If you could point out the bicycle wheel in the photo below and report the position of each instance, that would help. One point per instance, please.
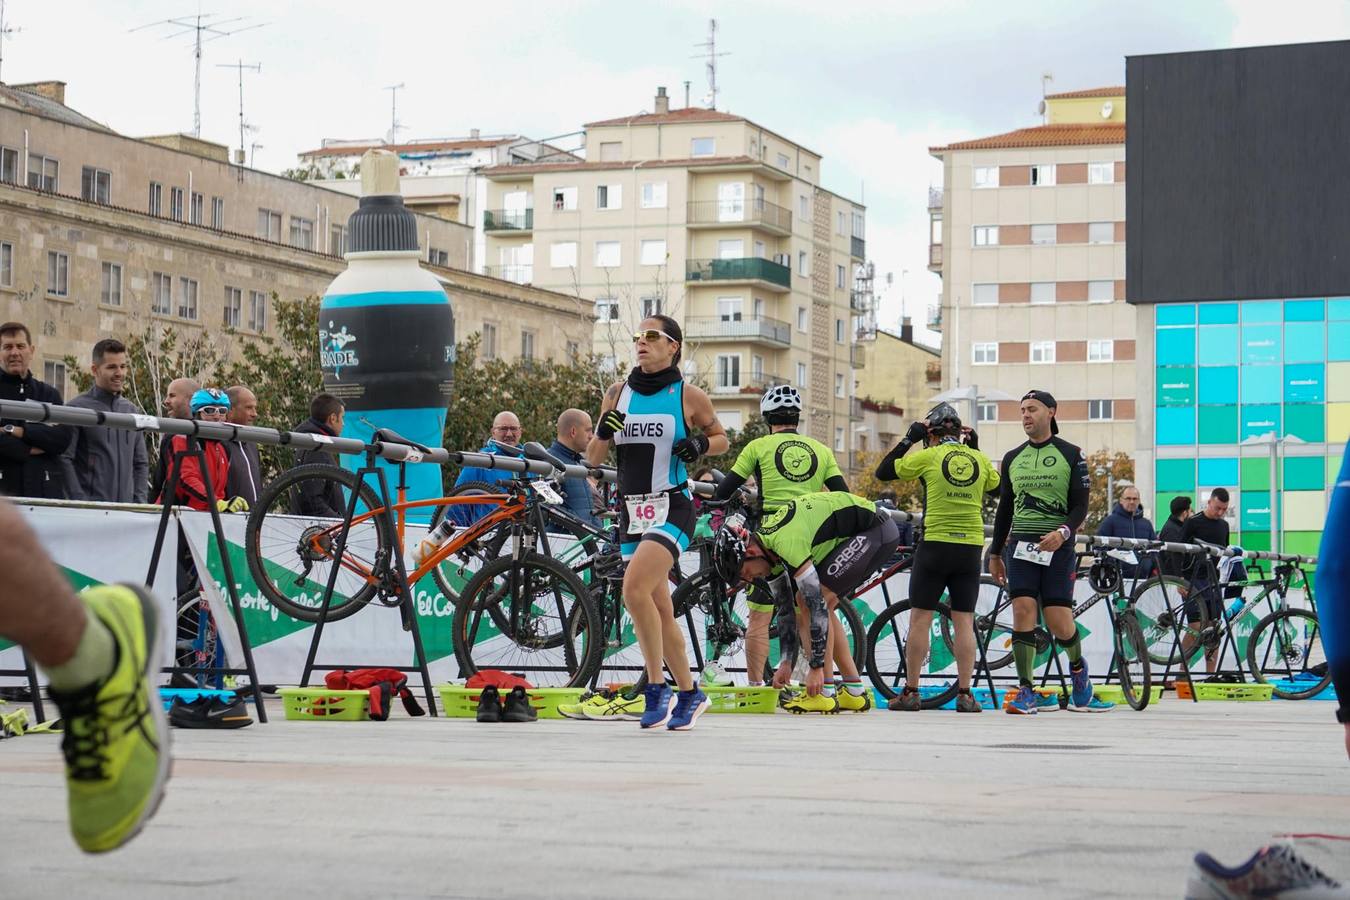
(291, 554)
(1158, 606)
(1132, 662)
(551, 630)
(453, 573)
(1283, 649)
(992, 614)
(886, 643)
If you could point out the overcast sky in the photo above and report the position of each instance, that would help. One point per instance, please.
(870, 85)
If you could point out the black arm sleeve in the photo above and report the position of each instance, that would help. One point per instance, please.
(1080, 486)
(886, 468)
(1004, 516)
(837, 483)
(731, 482)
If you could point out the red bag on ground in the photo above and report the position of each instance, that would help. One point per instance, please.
(382, 684)
(503, 681)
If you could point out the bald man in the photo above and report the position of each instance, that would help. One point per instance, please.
(505, 440)
(245, 468)
(574, 433)
(176, 405)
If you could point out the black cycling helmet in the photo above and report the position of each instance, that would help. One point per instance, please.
(943, 419)
(1104, 576)
(729, 552)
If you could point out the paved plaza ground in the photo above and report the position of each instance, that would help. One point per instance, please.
(883, 804)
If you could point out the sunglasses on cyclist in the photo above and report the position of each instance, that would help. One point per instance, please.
(650, 336)
(213, 410)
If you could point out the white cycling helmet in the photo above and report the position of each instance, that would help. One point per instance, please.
(781, 398)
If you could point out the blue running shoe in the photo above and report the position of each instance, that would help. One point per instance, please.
(689, 705)
(1024, 704)
(1082, 685)
(657, 709)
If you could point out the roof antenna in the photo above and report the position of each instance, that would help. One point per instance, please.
(711, 56)
(241, 66)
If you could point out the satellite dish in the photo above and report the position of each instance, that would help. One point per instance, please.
(1107, 109)
(1040, 108)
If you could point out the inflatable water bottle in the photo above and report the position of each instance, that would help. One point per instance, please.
(387, 330)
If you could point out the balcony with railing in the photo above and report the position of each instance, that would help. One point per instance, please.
(857, 356)
(934, 318)
(747, 383)
(518, 220)
(858, 248)
(860, 301)
(518, 274)
(751, 269)
(934, 198)
(733, 213)
(935, 257)
(933, 375)
(761, 330)
(855, 409)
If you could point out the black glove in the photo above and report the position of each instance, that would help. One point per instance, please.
(918, 432)
(690, 448)
(972, 439)
(611, 423)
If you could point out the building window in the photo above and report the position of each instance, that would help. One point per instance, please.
(1101, 173)
(986, 412)
(176, 204)
(1101, 351)
(42, 172)
(1101, 232)
(111, 294)
(6, 264)
(187, 299)
(611, 151)
(1101, 410)
(302, 233)
(438, 257)
(609, 196)
(269, 224)
(841, 227)
(197, 209)
(802, 320)
(783, 161)
(857, 223)
(801, 375)
(986, 176)
(986, 235)
(161, 294)
(1042, 292)
(801, 262)
(54, 373)
(527, 345)
(839, 384)
(653, 253)
(1043, 234)
(156, 199)
(1101, 291)
(985, 354)
(96, 185)
(234, 306)
(218, 213)
(704, 146)
(563, 254)
(651, 306)
(1042, 351)
(564, 198)
(729, 309)
(58, 274)
(606, 309)
(257, 311)
(984, 295)
(838, 439)
(804, 207)
(607, 254)
(337, 240)
(654, 195)
(9, 165)
(573, 351)
(1042, 176)
(839, 330)
(840, 276)
(489, 341)
(728, 370)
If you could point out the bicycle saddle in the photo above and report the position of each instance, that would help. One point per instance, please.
(389, 436)
(535, 450)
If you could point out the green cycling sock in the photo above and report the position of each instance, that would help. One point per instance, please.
(1024, 654)
(1073, 647)
(92, 661)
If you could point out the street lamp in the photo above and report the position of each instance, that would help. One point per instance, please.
(1275, 442)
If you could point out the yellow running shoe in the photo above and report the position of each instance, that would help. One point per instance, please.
(116, 740)
(618, 708)
(849, 703)
(577, 710)
(805, 703)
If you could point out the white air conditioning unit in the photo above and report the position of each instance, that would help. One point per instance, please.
(783, 259)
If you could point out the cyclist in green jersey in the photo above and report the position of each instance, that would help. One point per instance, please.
(785, 465)
(955, 477)
(819, 547)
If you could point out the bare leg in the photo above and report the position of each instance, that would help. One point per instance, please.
(1059, 619)
(963, 634)
(840, 652)
(643, 577)
(672, 637)
(757, 645)
(38, 609)
(916, 644)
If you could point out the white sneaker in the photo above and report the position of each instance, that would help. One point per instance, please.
(715, 676)
(1273, 873)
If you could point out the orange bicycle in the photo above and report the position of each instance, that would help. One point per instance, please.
(521, 611)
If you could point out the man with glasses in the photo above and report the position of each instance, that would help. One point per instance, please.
(1127, 520)
(505, 441)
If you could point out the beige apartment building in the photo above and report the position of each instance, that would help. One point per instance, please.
(105, 235)
(896, 383)
(709, 218)
(1028, 235)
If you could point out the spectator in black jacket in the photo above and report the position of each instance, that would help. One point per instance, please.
(318, 498)
(30, 452)
(1175, 564)
(109, 464)
(1127, 520)
(245, 467)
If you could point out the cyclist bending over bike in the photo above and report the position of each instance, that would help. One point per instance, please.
(955, 476)
(785, 465)
(647, 418)
(817, 548)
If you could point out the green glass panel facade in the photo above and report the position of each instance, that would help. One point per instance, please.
(1304, 473)
(1176, 385)
(1218, 425)
(1174, 475)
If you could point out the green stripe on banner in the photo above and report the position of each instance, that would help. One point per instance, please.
(78, 580)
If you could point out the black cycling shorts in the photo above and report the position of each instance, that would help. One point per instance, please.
(1052, 585)
(674, 535)
(859, 557)
(940, 566)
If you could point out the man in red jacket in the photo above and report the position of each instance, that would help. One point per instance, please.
(208, 405)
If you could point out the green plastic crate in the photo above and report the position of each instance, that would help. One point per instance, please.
(461, 702)
(1112, 693)
(741, 699)
(323, 705)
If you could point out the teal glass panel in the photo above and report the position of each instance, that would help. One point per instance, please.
(1261, 343)
(1262, 311)
(1218, 345)
(1338, 341)
(1218, 384)
(1261, 384)
(1304, 383)
(1175, 346)
(1304, 473)
(1175, 425)
(1255, 511)
(1176, 314)
(1307, 421)
(1305, 342)
(1174, 474)
(1218, 313)
(1338, 309)
(1218, 472)
(1218, 424)
(1305, 310)
(1257, 420)
(1176, 385)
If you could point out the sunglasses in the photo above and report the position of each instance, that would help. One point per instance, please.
(650, 336)
(213, 410)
